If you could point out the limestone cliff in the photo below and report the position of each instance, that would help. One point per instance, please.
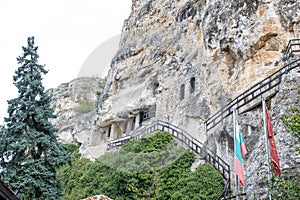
(74, 105)
(187, 59)
(252, 128)
(182, 61)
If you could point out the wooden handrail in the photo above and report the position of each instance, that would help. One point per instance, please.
(267, 85)
(290, 50)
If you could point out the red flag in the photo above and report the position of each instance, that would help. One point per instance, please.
(273, 151)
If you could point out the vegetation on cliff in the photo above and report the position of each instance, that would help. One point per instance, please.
(85, 107)
(293, 121)
(288, 185)
(138, 175)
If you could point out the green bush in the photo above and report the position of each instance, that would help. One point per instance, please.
(288, 187)
(151, 168)
(71, 176)
(72, 149)
(85, 107)
(285, 188)
(149, 144)
(101, 83)
(98, 93)
(293, 121)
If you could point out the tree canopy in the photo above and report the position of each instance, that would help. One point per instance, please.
(29, 147)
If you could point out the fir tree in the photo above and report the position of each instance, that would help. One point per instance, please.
(30, 150)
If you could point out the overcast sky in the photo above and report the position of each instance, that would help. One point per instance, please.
(66, 32)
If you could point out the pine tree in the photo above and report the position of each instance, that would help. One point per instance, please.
(30, 150)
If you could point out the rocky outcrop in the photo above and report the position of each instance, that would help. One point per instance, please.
(74, 104)
(181, 61)
(190, 58)
(252, 128)
(287, 143)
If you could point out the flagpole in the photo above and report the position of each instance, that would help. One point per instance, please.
(234, 134)
(266, 141)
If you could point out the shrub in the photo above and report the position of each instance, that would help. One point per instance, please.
(85, 107)
(288, 187)
(293, 121)
(98, 93)
(150, 168)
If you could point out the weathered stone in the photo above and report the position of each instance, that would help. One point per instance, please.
(225, 47)
(74, 127)
(181, 62)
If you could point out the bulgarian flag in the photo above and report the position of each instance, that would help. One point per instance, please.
(240, 152)
(273, 150)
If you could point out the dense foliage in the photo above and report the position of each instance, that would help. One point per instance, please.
(134, 173)
(288, 186)
(29, 149)
(293, 121)
(285, 188)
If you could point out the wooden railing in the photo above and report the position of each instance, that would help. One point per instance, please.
(193, 144)
(292, 49)
(245, 101)
(251, 97)
(114, 144)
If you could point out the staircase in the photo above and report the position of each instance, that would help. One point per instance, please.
(252, 97)
(292, 50)
(242, 103)
(193, 144)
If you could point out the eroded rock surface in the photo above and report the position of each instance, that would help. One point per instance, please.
(182, 61)
(74, 105)
(190, 58)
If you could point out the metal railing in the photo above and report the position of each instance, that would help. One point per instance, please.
(193, 144)
(251, 97)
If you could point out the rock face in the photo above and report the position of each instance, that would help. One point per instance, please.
(74, 105)
(187, 59)
(252, 128)
(181, 61)
(286, 142)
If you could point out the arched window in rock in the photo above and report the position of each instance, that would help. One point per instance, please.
(182, 88)
(192, 85)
